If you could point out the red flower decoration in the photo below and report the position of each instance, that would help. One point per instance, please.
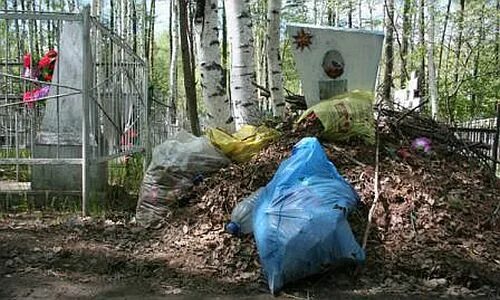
(47, 65)
(27, 60)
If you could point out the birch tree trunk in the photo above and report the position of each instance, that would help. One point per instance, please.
(212, 73)
(174, 38)
(273, 58)
(389, 50)
(224, 50)
(430, 59)
(243, 93)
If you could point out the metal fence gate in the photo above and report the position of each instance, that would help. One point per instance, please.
(73, 96)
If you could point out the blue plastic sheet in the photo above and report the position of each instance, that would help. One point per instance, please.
(300, 220)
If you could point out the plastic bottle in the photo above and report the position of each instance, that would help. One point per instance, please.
(241, 216)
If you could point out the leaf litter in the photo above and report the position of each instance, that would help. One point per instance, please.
(435, 230)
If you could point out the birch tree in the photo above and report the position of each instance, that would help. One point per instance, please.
(212, 73)
(430, 59)
(273, 58)
(243, 93)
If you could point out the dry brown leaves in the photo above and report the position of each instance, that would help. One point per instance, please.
(431, 222)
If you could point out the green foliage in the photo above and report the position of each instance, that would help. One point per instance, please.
(161, 53)
(290, 75)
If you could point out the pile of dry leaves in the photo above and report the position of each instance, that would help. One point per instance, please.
(436, 222)
(436, 228)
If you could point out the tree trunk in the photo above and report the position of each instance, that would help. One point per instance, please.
(224, 49)
(405, 38)
(331, 15)
(38, 52)
(430, 58)
(50, 25)
(315, 11)
(261, 74)
(388, 51)
(446, 18)
(243, 93)
(458, 49)
(421, 73)
(134, 26)
(273, 58)
(337, 13)
(212, 74)
(189, 80)
(349, 13)
(18, 34)
(360, 17)
(475, 72)
(370, 7)
(174, 38)
(151, 31)
(497, 36)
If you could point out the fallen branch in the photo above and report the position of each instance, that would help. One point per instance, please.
(411, 110)
(298, 101)
(346, 155)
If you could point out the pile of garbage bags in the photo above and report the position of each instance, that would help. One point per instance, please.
(243, 144)
(345, 116)
(299, 218)
(176, 165)
(181, 162)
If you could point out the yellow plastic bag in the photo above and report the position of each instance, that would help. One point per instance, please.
(243, 144)
(346, 116)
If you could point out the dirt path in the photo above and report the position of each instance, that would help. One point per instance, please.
(56, 257)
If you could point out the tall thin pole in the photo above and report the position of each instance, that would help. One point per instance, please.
(85, 107)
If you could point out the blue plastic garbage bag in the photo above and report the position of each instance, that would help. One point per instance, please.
(300, 220)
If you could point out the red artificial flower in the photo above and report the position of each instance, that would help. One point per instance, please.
(27, 60)
(47, 65)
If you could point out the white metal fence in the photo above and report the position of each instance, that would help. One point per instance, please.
(95, 104)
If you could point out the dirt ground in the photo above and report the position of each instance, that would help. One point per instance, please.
(54, 256)
(435, 234)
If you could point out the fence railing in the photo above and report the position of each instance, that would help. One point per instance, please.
(484, 135)
(84, 103)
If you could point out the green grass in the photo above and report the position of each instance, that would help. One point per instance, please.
(8, 172)
(124, 181)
